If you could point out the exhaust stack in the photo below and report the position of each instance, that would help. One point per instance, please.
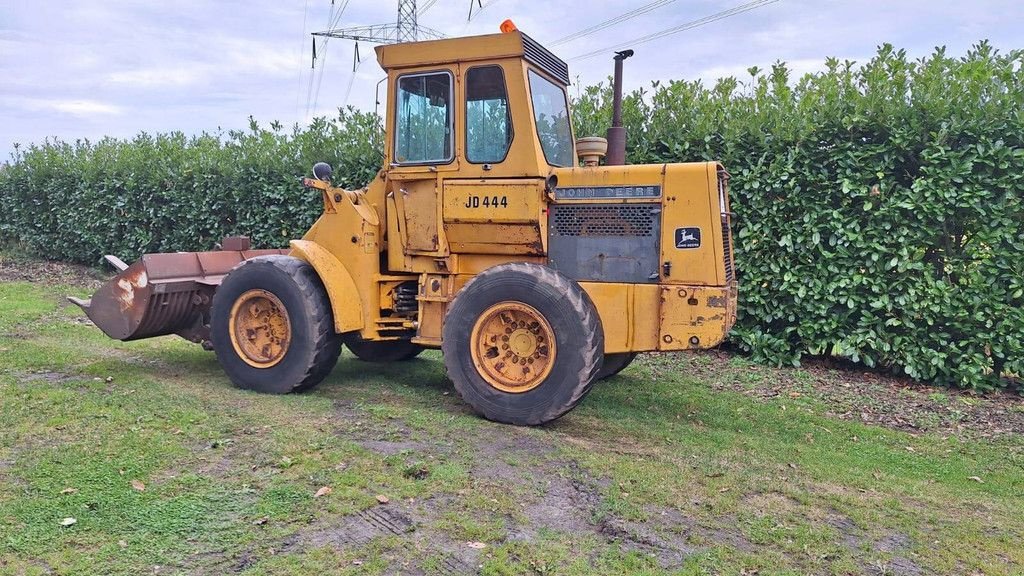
(617, 134)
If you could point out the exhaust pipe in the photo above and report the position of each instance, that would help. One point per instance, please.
(617, 134)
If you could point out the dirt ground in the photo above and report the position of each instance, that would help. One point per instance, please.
(653, 473)
(852, 392)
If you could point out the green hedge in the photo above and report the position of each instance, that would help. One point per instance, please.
(878, 207)
(172, 192)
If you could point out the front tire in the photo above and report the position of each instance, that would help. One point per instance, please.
(272, 327)
(522, 344)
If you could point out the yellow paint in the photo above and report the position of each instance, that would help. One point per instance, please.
(695, 317)
(259, 328)
(441, 224)
(493, 201)
(341, 288)
(421, 216)
(688, 199)
(513, 347)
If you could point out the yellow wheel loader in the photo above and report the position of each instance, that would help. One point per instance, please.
(536, 271)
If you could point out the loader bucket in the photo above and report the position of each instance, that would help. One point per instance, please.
(163, 293)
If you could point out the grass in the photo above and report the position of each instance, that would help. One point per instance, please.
(654, 473)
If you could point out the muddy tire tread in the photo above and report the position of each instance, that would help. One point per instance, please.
(326, 343)
(592, 347)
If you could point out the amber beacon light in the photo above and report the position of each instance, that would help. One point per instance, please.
(508, 26)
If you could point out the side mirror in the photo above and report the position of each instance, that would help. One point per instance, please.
(322, 171)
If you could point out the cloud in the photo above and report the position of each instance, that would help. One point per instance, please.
(153, 77)
(117, 67)
(70, 106)
(81, 107)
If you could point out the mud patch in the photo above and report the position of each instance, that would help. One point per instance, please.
(47, 377)
(14, 269)
(566, 505)
(359, 528)
(849, 534)
(853, 392)
(895, 545)
(898, 566)
(424, 550)
(893, 542)
(390, 448)
(665, 537)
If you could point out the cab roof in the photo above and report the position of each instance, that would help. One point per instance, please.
(513, 44)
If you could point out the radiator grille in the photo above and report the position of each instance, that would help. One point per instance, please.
(727, 249)
(606, 242)
(603, 220)
(723, 203)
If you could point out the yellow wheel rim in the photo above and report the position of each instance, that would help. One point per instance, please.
(513, 347)
(259, 328)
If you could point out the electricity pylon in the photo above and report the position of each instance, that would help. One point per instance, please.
(405, 29)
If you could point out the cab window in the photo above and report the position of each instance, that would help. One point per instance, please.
(423, 124)
(488, 123)
(551, 113)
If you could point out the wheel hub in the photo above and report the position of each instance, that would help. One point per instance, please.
(259, 328)
(513, 347)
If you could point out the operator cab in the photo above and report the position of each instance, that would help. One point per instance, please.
(486, 106)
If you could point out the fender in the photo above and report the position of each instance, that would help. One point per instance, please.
(341, 288)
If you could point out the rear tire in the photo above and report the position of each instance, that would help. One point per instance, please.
(384, 351)
(615, 363)
(272, 327)
(522, 343)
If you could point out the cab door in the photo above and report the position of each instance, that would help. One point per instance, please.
(421, 151)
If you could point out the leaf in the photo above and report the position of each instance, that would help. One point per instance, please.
(68, 521)
(69, 490)
(138, 485)
(323, 491)
(383, 499)
(976, 479)
(476, 545)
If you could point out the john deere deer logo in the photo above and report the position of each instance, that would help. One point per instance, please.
(687, 238)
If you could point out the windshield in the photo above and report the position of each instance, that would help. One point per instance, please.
(551, 112)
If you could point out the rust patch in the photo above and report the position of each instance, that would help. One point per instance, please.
(718, 301)
(127, 285)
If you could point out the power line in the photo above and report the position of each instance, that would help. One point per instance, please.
(352, 80)
(298, 91)
(405, 29)
(426, 6)
(332, 18)
(481, 5)
(613, 21)
(680, 28)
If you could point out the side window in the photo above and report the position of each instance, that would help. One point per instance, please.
(488, 122)
(551, 113)
(423, 124)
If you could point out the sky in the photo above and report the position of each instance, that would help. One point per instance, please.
(93, 68)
